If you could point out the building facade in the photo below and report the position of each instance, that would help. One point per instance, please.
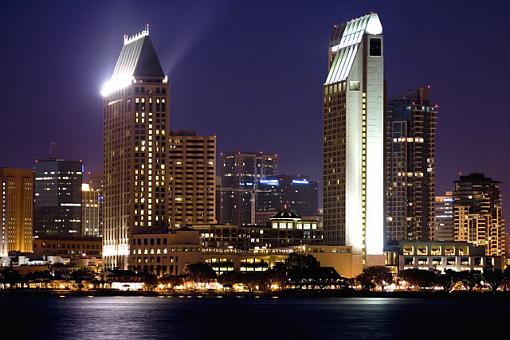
(92, 211)
(16, 209)
(170, 253)
(57, 200)
(135, 127)
(298, 193)
(82, 246)
(353, 137)
(443, 218)
(477, 211)
(441, 256)
(410, 170)
(191, 174)
(240, 173)
(285, 229)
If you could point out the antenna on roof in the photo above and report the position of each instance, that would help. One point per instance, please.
(52, 147)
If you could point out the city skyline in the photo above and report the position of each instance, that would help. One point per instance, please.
(338, 160)
(186, 56)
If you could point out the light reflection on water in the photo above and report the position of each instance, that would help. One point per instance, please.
(247, 318)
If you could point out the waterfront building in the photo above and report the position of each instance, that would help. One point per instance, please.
(136, 123)
(410, 169)
(191, 174)
(298, 193)
(92, 211)
(170, 253)
(353, 137)
(443, 218)
(69, 247)
(240, 173)
(16, 209)
(441, 256)
(58, 199)
(477, 210)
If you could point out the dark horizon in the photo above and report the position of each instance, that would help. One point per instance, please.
(251, 74)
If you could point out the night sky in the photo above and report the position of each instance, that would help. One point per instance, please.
(251, 72)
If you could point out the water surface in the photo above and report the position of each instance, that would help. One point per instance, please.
(250, 318)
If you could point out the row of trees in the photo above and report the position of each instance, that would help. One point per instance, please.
(489, 278)
(297, 270)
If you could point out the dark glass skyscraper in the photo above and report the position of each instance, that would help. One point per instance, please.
(58, 197)
(240, 173)
(410, 171)
(297, 193)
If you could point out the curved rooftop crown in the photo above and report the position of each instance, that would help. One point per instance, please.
(137, 59)
(285, 214)
(344, 44)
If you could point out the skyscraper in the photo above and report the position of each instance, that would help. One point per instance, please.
(443, 218)
(191, 179)
(57, 201)
(240, 173)
(410, 170)
(16, 203)
(136, 123)
(354, 137)
(297, 193)
(477, 211)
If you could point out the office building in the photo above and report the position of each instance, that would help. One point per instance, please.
(136, 123)
(240, 173)
(92, 210)
(410, 170)
(57, 201)
(16, 205)
(353, 137)
(477, 211)
(297, 193)
(443, 218)
(191, 174)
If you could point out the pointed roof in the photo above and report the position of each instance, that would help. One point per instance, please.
(137, 58)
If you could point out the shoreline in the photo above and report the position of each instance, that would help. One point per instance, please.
(290, 294)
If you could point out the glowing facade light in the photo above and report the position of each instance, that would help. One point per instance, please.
(116, 84)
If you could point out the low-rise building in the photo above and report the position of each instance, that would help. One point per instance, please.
(441, 256)
(68, 246)
(169, 254)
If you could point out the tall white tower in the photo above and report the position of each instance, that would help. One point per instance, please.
(354, 137)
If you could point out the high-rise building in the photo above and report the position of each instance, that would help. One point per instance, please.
(240, 173)
(298, 193)
(477, 211)
(16, 203)
(57, 201)
(354, 137)
(191, 174)
(443, 218)
(136, 123)
(92, 210)
(410, 171)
